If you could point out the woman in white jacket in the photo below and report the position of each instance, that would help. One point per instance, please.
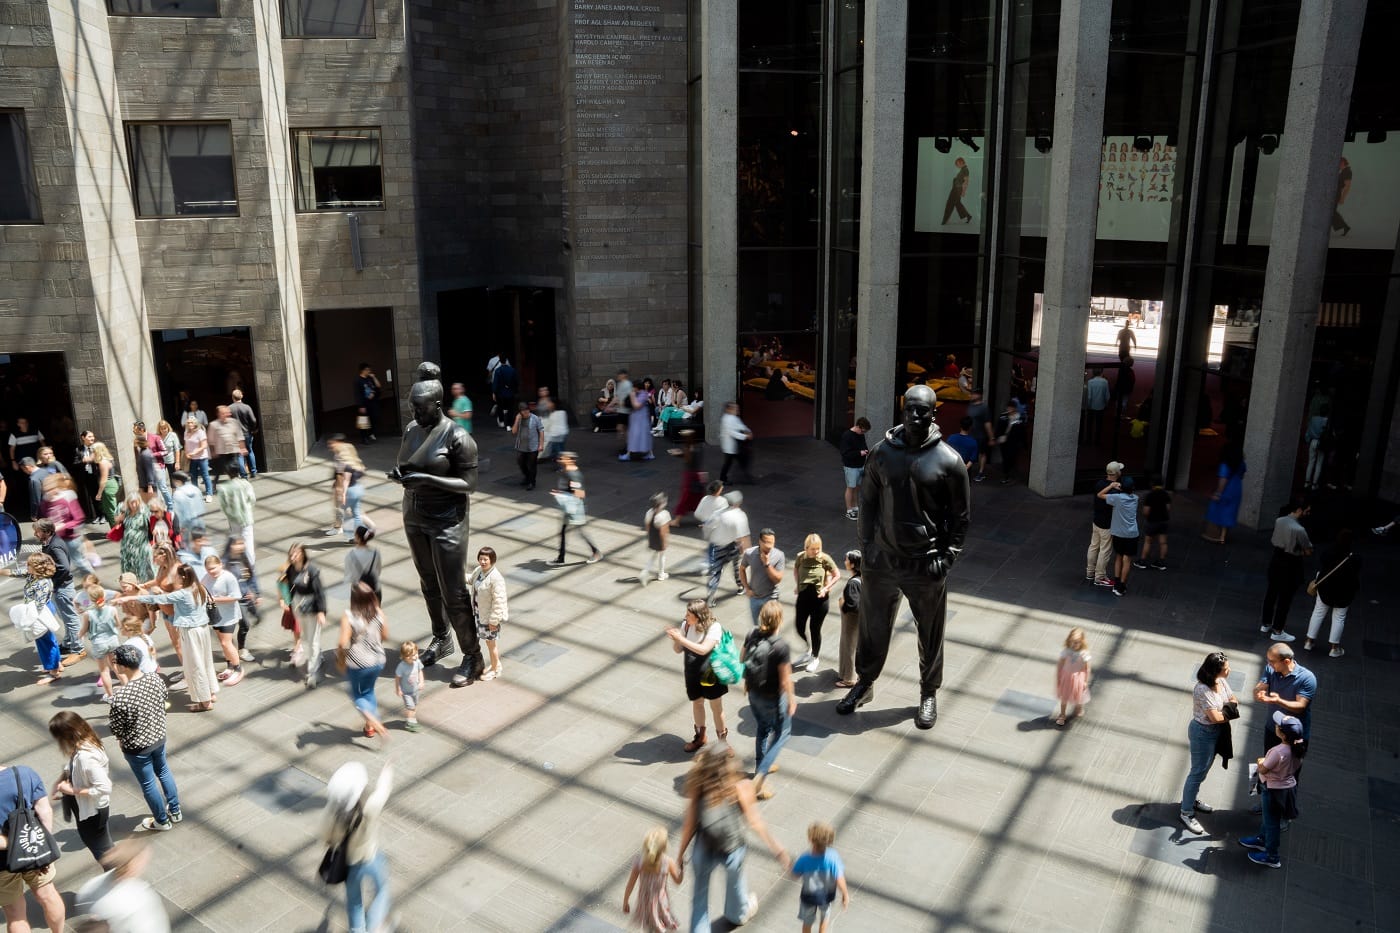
(352, 815)
(488, 588)
(86, 779)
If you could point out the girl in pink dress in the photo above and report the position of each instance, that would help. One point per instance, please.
(1072, 674)
(652, 868)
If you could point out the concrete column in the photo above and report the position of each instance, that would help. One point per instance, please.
(86, 65)
(719, 207)
(1080, 79)
(1324, 63)
(1382, 399)
(881, 204)
(279, 347)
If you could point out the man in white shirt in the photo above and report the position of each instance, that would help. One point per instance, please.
(734, 439)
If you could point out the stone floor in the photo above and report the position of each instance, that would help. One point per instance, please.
(522, 803)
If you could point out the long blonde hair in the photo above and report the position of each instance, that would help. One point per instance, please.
(713, 776)
(100, 452)
(654, 848)
(1076, 640)
(770, 617)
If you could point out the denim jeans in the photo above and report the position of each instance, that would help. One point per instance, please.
(1202, 740)
(361, 681)
(716, 558)
(354, 494)
(199, 473)
(1269, 824)
(248, 463)
(758, 602)
(151, 769)
(63, 606)
(772, 727)
(375, 870)
(163, 486)
(736, 888)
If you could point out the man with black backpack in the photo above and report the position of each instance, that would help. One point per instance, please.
(22, 799)
(768, 677)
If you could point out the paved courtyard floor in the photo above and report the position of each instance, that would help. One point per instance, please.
(522, 803)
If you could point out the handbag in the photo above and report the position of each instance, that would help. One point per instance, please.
(335, 865)
(723, 662)
(29, 844)
(115, 533)
(1316, 582)
(1231, 711)
(211, 608)
(29, 620)
(362, 423)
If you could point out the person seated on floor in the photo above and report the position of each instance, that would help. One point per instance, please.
(778, 389)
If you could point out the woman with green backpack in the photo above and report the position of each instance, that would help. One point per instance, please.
(697, 638)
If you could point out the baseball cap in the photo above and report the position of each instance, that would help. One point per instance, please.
(1113, 467)
(1292, 726)
(128, 578)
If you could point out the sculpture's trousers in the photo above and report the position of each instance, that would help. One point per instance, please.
(879, 605)
(439, 554)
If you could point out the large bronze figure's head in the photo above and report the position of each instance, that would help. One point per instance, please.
(426, 395)
(919, 405)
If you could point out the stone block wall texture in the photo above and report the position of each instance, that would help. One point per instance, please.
(625, 193)
(362, 83)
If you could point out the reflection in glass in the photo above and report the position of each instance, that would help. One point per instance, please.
(316, 19)
(779, 159)
(338, 169)
(189, 8)
(182, 169)
(781, 35)
(19, 198)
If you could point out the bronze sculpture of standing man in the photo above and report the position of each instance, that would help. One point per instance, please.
(437, 469)
(913, 517)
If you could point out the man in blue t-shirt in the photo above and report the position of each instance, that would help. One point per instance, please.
(1288, 687)
(964, 443)
(40, 881)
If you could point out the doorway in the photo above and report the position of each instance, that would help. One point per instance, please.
(34, 386)
(338, 341)
(204, 365)
(474, 324)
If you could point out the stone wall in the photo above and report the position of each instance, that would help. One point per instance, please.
(624, 157)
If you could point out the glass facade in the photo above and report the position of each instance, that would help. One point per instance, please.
(1189, 165)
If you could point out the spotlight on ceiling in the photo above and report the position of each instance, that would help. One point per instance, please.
(1143, 144)
(1042, 144)
(942, 143)
(970, 143)
(1268, 143)
(1376, 136)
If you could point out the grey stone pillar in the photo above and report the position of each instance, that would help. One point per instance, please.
(881, 204)
(1382, 400)
(1324, 63)
(1080, 78)
(719, 208)
(95, 129)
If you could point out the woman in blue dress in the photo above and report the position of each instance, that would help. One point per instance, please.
(639, 427)
(1224, 511)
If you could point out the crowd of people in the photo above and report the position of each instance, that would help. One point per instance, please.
(207, 600)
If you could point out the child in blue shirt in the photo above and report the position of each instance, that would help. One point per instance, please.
(822, 874)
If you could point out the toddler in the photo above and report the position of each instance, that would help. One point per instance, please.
(408, 679)
(822, 874)
(1072, 674)
(657, 525)
(652, 867)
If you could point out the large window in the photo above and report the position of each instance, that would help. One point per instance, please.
(327, 19)
(163, 7)
(182, 169)
(338, 169)
(19, 199)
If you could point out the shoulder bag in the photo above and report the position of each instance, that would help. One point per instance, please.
(29, 844)
(335, 864)
(1315, 583)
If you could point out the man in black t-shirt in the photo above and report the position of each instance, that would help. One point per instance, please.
(1100, 541)
(1157, 510)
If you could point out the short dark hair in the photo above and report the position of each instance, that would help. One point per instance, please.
(863, 424)
(965, 423)
(488, 552)
(714, 487)
(44, 525)
(232, 471)
(768, 533)
(126, 656)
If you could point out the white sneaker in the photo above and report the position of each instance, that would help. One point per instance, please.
(644, 577)
(1382, 530)
(245, 655)
(1336, 652)
(1192, 824)
(663, 576)
(812, 664)
(1281, 636)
